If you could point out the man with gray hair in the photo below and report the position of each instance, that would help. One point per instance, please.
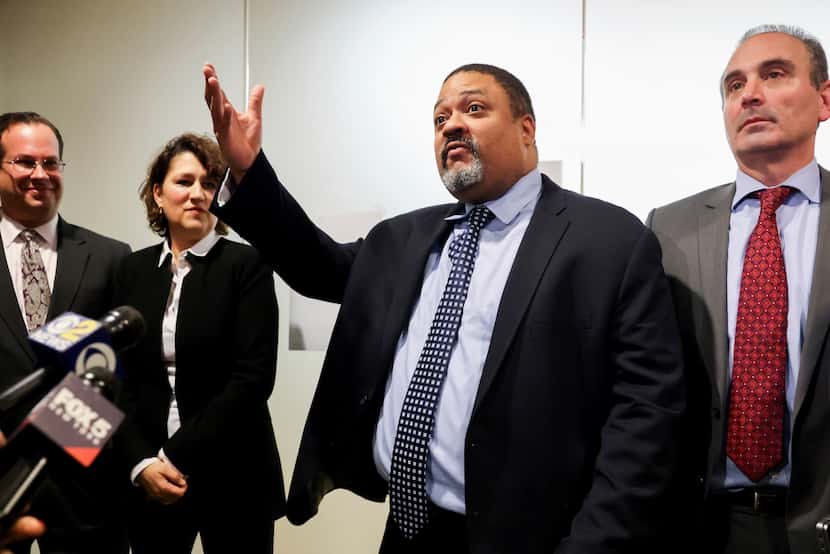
(748, 263)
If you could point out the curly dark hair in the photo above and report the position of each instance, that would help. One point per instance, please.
(206, 151)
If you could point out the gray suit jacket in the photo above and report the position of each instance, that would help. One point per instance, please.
(694, 236)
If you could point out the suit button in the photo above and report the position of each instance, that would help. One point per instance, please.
(364, 399)
(473, 444)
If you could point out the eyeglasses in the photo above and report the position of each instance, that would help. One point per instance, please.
(27, 166)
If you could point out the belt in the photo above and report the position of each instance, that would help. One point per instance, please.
(768, 500)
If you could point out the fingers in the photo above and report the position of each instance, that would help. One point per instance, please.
(255, 102)
(172, 475)
(215, 98)
(162, 482)
(2, 439)
(26, 527)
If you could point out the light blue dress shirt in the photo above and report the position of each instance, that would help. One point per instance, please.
(498, 243)
(798, 226)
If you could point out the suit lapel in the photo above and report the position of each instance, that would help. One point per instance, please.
(73, 255)
(710, 318)
(546, 228)
(818, 312)
(427, 233)
(10, 309)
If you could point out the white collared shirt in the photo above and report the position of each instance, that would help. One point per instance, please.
(13, 247)
(180, 268)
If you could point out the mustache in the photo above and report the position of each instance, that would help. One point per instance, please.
(457, 137)
(755, 114)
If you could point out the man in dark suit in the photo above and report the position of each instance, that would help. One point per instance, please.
(49, 266)
(511, 375)
(748, 263)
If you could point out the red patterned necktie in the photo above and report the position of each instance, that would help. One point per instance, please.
(755, 437)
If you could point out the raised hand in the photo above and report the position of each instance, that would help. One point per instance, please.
(239, 134)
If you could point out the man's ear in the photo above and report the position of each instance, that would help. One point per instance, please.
(528, 130)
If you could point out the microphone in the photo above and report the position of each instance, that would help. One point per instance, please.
(75, 418)
(74, 343)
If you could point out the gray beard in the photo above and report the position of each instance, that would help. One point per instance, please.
(459, 180)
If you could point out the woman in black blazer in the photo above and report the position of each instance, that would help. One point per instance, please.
(197, 440)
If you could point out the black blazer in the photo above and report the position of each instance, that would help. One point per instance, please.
(85, 284)
(226, 352)
(571, 440)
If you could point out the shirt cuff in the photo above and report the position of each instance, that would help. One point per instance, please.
(163, 457)
(139, 467)
(227, 189)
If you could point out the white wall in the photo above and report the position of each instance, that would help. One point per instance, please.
(118, 79)
(350, 88)
(654, 129)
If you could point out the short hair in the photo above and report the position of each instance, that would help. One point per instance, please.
(10, 119)
(206, 151)
(520, 103)
(818, 60)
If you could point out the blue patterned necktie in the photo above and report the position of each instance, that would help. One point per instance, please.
(407, 478)
(36, 293)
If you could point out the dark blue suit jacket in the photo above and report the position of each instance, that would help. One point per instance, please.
(571, 444)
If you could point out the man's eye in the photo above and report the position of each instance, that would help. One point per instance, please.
(51, 165)
(440, 119)
(26, 164)
(474, 108)
(775, 74)
(734, 86)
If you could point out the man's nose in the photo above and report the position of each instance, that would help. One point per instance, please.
(454, 125)
(752, 93)
(38, 172)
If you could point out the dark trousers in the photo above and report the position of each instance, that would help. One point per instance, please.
(740, 529)
(445, 533)
(158, 529)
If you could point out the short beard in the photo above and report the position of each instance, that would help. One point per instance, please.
(459, 180)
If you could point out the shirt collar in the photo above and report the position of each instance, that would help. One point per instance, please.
(806, 180)
(507, 206)
(200, 249)
(11, 229)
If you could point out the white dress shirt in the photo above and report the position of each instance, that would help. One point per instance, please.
(13, 247)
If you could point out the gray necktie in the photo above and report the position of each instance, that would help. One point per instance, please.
(407, 478)
(36, 293)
